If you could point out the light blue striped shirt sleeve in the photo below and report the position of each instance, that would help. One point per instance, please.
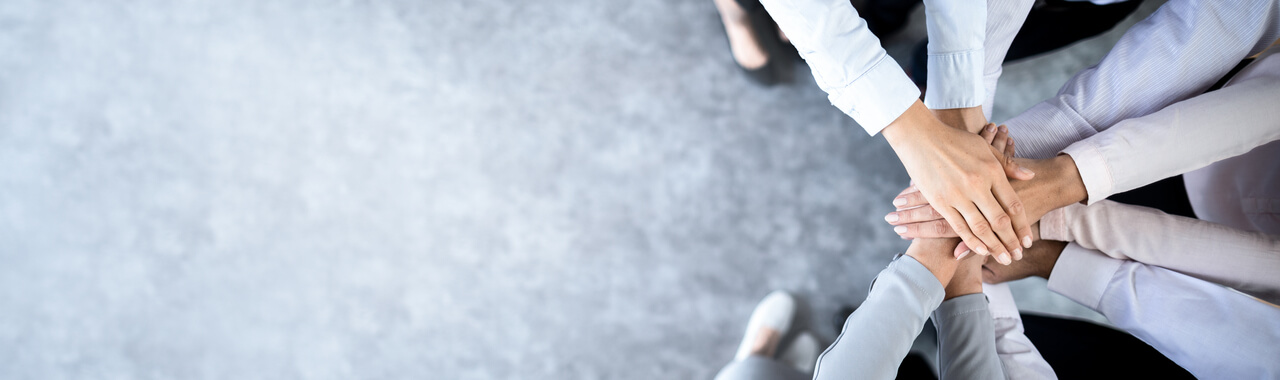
(1176, 53)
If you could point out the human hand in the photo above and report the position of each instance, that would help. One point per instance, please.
(962, 178)
(1039, 261)
(1057, 184)
(936, 255)
(967, 278)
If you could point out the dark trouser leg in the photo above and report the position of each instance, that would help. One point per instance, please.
(1060, 23)
(1084, 350)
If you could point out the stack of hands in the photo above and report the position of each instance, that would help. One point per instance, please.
(967, 184)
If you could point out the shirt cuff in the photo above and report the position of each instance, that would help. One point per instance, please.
(877, 97)
(1083, 275)
(955, 80)
(1000, 301)
(1093, 168)
(968, 303)
(924, 282)
(1056, 224)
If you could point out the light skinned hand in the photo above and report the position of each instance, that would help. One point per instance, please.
(962, 177)
(1058, 184)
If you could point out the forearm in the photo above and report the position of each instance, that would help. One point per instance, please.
(955, 61)
(966, 339)
(1180, 138)
(1004, 19)
(1210, 330)
(1019, 357)
(1176, 53)
(879, 334)
(1245, 261)
(846, 59)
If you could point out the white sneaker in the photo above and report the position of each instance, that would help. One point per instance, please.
(803, 352)
(775, 311)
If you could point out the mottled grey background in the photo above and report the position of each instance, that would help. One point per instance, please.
(477, 189)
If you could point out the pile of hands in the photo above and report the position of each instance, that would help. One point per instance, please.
(964, 208)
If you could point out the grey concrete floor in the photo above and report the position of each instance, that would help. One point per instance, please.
(476, 189)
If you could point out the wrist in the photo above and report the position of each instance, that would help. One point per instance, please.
(936, 256)
(1067, 181)
(968, 119)
(910, 126)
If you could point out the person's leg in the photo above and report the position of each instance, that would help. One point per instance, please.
(749, 50)
(755, 357)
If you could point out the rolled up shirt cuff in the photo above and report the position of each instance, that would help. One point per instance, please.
(1056, 224)
(1096, 174)
(955, 80)
(1083, 275)
(877, 97)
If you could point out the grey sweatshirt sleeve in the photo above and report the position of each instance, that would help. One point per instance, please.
(879, 334)
(966, 339)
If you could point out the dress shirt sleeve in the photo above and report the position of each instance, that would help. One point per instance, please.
(879, 334)
(1243, 260)
(1020, 358)
(846, 60)
(1004, 19)
(1182, 137)
(1178, 52)
(956, 36)
(966, 339)
(1212, 331)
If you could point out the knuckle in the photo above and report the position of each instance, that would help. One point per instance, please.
(940, 227)
(1016, 208)
(1002, 219)
(980, 228)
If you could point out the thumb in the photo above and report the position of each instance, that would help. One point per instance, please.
(1011, 168)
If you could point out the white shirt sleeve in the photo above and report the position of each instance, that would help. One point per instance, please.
(1243, 260)
(1176, 53)
(846, 59)
(1020, 358)
(1185, 136)
(1212, 331)
(1004, 19)
(956, 37)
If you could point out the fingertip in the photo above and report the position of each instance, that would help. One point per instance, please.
(1026, 173)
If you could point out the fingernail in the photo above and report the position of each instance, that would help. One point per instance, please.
(963, 254)
(1026, 241)
(981, 250)
(1017, 253)
(892, 217)
(1004, 259)
(900, 229)
(1025, 171)
(900, 202)
(1004, 128)
(991, 128)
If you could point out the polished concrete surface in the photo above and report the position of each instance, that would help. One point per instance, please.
(481, 189)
